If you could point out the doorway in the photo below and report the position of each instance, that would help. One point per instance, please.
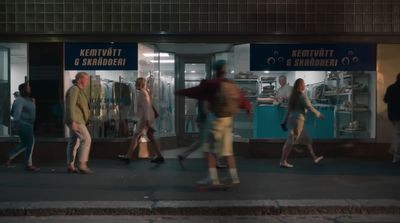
(4, 91)
(191, 71)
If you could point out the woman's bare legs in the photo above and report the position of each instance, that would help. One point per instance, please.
(285, 154)
(315, 158)
(133, 145)
(150, 135)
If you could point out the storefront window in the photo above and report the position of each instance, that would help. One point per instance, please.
(340, 82)
(13, 72)
(112, 92)
(4, 91)
(159, 70)
(111, 97)
(166, 94)
(346, 98)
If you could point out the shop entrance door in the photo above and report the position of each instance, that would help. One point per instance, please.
(4, 91)
(191, 72)
(194, 73)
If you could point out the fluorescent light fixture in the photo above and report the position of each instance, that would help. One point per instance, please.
(232, 71)
(163, 61)
(193, 71)
(155, 55)
(266, 71)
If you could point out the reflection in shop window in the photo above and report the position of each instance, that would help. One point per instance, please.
(13, 72)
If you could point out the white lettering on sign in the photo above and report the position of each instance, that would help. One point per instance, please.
(110, 52)
(99, 57)
(313, 53)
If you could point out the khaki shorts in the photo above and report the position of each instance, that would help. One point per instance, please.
(221, 141)
(297, 133)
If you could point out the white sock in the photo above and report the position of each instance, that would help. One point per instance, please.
(213, 175)
(234, 175)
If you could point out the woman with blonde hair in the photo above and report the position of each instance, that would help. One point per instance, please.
(146, 115)
(295, 118)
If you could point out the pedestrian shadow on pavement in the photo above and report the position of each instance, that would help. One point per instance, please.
(326, 167)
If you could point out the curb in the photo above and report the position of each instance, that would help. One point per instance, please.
(199, 208)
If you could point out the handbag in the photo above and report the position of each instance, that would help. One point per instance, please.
(155, 112)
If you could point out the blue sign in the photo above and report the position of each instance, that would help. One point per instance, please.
(325, 57)
(101, 56)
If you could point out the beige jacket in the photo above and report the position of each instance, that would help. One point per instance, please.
(76, 106)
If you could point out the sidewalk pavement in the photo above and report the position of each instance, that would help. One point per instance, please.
(336, 186)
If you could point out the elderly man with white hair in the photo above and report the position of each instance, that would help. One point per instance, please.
(284, 91)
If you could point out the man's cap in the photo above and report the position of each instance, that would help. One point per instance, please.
(219, 64)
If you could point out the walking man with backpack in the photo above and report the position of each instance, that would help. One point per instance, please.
(225, 99)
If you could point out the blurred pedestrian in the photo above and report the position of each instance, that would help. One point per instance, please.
(294, 120)
(76, 117)
(224, 99)
(203, 124)
(392, 99)
(203, 120)
(146, 114)
(24, 114)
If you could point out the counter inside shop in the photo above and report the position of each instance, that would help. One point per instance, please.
(268, 117)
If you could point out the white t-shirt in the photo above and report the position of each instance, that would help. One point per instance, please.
(284, 92)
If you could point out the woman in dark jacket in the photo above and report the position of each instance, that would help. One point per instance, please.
(24, 114)
(392, 99)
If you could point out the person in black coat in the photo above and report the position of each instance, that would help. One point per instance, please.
(392, 99)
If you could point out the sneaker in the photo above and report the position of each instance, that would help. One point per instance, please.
(124, 158)
(209, 181)
(158, 160)
(286, 165)
(236, 181)
(204, 181)
(318, 159)
(32, 168)
(180, 160)
(229, 181)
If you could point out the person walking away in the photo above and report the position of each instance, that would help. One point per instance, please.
(392, 99)
(24, 115)
(76, 117)
(146, 115)
(294, 119)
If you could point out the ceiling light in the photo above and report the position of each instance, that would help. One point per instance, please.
(163, 61)
(155, 55)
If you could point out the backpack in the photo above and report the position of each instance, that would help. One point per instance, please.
(226, 101)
